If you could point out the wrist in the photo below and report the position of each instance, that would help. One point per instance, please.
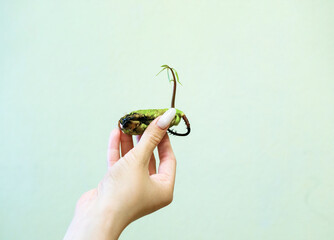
(95, 223)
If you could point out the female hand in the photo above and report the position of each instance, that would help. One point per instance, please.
(131, 188)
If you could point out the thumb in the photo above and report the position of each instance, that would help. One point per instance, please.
(154, 134)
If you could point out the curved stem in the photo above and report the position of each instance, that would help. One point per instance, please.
(174, 90)
(186, 121)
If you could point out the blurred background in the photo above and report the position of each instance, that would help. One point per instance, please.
(257, 89)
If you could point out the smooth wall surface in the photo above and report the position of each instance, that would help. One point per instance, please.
(258, 89)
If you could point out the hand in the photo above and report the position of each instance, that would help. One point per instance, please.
(131, 188)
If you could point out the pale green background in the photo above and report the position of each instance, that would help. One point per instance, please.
(258, 89)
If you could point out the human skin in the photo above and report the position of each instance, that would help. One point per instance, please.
(131, 188)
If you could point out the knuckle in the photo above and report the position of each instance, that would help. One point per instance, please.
(154, 138)
(131, 154)
(86, 198)
(168, 199)
(132, 159)
(173, 158)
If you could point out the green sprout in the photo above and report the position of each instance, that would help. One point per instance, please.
(136, 122)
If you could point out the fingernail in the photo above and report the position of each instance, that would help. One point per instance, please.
(166, 118)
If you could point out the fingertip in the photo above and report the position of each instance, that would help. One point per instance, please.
(164, 121)
(115, 131)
